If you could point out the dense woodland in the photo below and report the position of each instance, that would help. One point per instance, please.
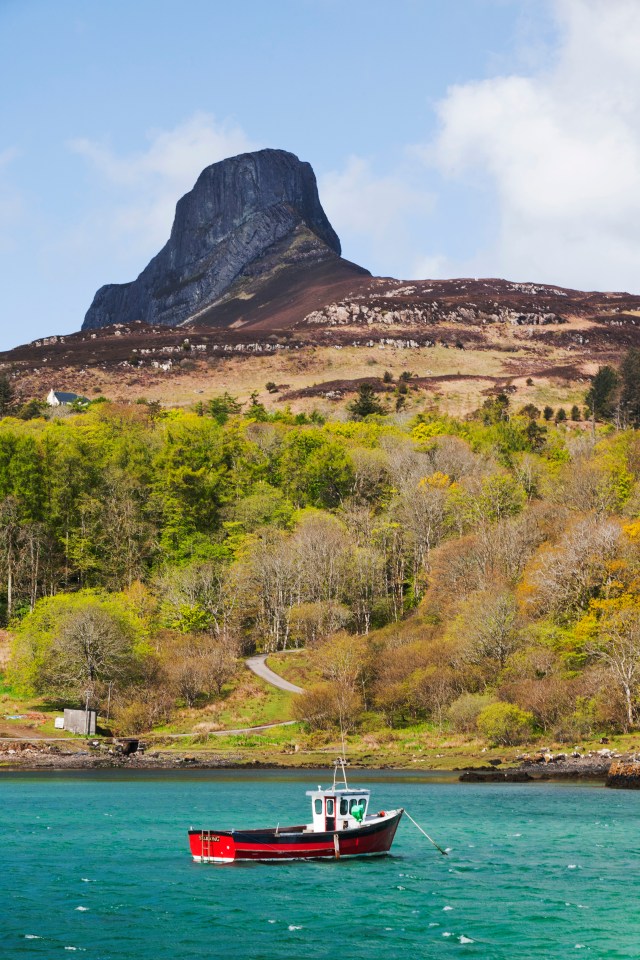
(483, 575)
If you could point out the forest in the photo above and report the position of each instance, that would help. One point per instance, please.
(480, 574)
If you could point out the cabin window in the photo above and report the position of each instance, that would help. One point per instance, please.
(330, 807)
(344, 806)
(317, 805)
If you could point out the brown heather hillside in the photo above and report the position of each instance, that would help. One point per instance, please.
(318, 333)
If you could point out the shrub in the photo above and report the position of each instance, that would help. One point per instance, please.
(464, 712)
(504, 723)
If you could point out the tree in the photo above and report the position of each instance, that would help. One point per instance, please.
(575, 413)
(547, 413)
(600, 398)
(504, 723)
(561, 415)
(328, 705)
(488, 629)
(495, 409)
(563, 578)
(366, 403)
(197, 665)
(618, 648)
(223, 407)
(630, 395)
(6, 395)
(73, 645)
(530, 411)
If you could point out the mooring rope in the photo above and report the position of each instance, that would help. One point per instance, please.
(430, 839)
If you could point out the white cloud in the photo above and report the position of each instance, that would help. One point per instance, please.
(374, 213)
(148, 183)
(561, 150)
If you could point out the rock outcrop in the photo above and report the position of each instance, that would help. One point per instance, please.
(245, 219)
(624, 774)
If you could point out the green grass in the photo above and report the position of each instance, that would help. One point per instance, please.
(295, 666)
(247, 701)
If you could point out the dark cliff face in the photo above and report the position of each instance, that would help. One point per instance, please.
(244, 216)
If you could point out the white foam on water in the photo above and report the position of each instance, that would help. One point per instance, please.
(388, 928)
(464, 939)
(86, 880)
(270, 921)
(434, 924)
(31, 936)
(400, 888)
(291, 927)
(447, 908)
(82, 909)
(445, 934)
(580, 946)
(572, 866)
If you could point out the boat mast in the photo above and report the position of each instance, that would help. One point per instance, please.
(340, 764)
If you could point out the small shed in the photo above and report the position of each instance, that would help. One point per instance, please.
(80, 721)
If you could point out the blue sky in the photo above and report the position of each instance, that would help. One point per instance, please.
(449, 137)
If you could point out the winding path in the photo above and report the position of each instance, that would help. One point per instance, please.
(258, 665)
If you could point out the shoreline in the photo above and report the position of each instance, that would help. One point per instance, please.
(31, 756)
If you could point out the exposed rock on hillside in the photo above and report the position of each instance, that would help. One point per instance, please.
(245, 219)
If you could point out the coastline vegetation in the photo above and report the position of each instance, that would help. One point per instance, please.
(474, 579)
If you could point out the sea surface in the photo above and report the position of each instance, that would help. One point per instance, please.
(97, 865)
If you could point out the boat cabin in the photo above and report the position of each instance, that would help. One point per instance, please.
(338, 808)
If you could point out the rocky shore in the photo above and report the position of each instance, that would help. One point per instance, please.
(595, 765)
(102, 754)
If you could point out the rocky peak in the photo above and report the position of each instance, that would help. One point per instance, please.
(245, 217)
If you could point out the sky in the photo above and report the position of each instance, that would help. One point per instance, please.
(496, 138)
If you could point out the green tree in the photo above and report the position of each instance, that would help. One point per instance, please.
(601, 396)
(630, 395)
(6, 395)
(72, 645)
(495, 410)
(366, 403)
(223, 407)
(505, 724)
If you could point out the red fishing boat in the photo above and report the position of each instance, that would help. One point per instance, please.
(341, 826)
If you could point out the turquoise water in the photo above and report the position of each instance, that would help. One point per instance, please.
(97, 865)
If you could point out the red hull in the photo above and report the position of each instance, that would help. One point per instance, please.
(294, 843)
